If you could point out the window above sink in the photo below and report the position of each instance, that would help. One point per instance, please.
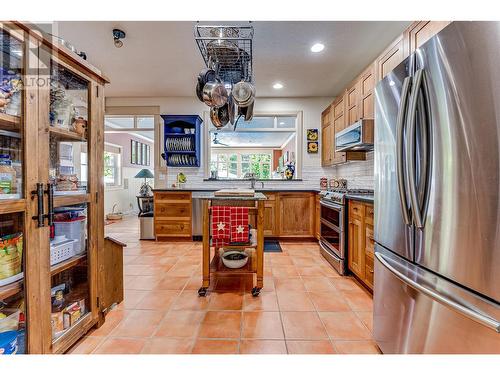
(263, 147)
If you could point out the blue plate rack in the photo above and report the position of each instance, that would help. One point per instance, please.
(182, 135)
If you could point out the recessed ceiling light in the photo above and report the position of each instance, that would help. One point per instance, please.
(282, 123)
(278, 86)
(318, 47)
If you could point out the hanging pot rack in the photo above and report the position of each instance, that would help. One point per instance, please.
(227, 50)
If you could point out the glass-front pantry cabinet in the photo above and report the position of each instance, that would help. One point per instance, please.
(51, 192)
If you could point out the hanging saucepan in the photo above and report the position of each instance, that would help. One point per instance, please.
(243, 93)
(214, 94)
(249, 112)
(219, 116)
(199, 91)
(232, 108)
(206, 75)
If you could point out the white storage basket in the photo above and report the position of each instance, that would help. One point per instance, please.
(73, 230)
(61, 251)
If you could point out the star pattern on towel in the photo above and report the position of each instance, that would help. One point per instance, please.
(239, 229)
(221, 226)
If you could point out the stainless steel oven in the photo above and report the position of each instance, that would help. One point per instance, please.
(332, 234)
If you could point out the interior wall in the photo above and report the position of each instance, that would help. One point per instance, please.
(311, 163)
(125, 196)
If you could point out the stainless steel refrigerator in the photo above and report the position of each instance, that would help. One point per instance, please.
(437, 196)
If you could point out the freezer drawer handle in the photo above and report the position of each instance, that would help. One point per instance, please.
(471, 314)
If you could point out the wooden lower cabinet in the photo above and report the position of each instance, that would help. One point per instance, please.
(296, 212)
(317, 217)
(173, 215)
(360, 246)
(355, 250)
(270, 215)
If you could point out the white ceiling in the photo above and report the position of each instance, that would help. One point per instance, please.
(162, 59)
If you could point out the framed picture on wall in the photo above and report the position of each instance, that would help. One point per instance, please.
(133, 152)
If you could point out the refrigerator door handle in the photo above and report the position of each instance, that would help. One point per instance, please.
(411, 154)
(426, 148)
(436, 296)
(400, 123)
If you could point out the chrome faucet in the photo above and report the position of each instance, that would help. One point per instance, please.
(253, 180)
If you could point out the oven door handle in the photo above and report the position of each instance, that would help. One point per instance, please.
(324, 247)
(330, 205)
(330, 225)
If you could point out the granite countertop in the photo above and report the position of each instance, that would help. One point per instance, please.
(370, 198)
(210, 195)
(269, 189)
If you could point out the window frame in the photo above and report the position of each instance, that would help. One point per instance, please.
(298, 138)
(239, 162)
(119, 168)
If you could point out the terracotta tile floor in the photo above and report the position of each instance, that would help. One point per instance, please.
(304, 308)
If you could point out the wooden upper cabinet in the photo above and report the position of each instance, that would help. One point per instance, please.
(327, 144)
(339, 112)
(327, 134)
(326, 116)
(420, 32)
(296, 214)
(352, 101)
(366, 86)
(393, 55)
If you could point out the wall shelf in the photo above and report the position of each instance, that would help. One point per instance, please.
(182, 158)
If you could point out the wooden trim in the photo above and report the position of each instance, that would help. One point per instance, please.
(83, 66)
(114, 240)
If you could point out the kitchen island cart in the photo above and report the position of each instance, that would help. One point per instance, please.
(215, 266)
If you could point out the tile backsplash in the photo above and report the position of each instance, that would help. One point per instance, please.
(359, 174)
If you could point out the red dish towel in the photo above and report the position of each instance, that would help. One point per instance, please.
(221, 222)
(239, 224)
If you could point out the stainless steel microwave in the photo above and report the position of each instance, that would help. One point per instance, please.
(357, 137)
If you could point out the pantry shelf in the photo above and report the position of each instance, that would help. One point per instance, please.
(11, 289)
(66, 135)
(217, 267)
(72, 334)
(9, 122)
(71, 262)
(68, 200)
(8, 206)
